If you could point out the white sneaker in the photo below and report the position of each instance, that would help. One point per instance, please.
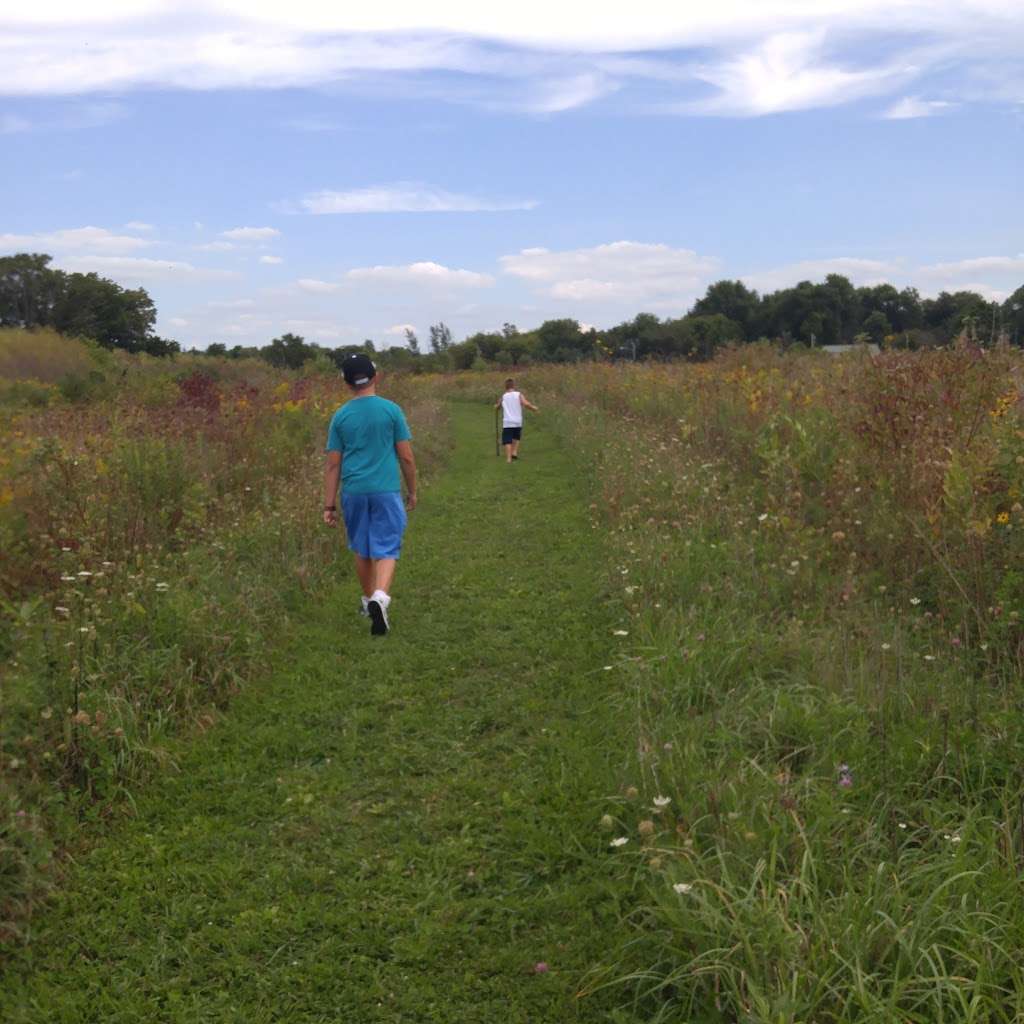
(362, 607)
(377, 608)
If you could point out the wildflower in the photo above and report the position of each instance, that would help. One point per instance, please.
(929, 657)
(46, 713)
(607, 822)
(65, 549)
(540, 967)
(915, 601)
(762, 517)
(608, 668)
(1003, 518)
(662, 801)
(619, 841)
(682, 888)
(620, 632)
(902, 825)
(845, 776)
(886, 647)
(67, 579)
(163, 586)
(646, 827)
(632, 793)
(62, 611)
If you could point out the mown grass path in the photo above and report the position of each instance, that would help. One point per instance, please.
(388, 829)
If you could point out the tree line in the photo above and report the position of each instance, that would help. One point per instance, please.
(34, 294)
(835, 311)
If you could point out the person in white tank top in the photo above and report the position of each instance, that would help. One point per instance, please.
(511, 404)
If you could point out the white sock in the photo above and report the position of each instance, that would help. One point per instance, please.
(379, 595)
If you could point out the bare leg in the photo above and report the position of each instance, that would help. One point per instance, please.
(508, 453)
(515, 449)
(364, 570)
(384, 574)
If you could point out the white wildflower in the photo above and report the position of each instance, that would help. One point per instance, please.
(682, 888)
(619, 841)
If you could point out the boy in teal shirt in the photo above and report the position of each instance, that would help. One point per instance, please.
(368, 445)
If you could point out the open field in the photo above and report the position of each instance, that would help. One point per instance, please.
(715, 710)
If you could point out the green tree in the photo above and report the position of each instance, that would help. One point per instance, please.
(876, 326)
(289, 351)
(29, 290)
(440, 338)
(732, 299)
(561, 341)
(412, 343)
(1013, 316)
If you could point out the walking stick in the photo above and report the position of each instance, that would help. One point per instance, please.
(497, 432)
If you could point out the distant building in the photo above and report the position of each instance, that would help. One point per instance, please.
(837, 350)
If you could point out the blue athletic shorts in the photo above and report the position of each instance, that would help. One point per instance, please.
(374, 523)
(510, 434)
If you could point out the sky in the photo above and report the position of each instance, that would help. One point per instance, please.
(345, 174)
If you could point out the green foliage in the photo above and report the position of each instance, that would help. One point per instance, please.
(151, 543)
(33, 294)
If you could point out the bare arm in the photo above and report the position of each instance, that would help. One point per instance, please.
(332, 475)
(406, 462)
(527, 402)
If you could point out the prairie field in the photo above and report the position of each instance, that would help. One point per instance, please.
(711, 714)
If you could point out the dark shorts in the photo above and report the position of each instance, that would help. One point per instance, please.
(510, 434)
(374, 523)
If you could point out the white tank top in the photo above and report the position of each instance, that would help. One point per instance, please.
(511, 409)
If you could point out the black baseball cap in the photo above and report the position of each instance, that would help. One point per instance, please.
(358, 369)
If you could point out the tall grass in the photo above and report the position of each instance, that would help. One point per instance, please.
(152, 543)
(824, 803)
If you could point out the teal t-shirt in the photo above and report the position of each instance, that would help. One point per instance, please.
(365, 431)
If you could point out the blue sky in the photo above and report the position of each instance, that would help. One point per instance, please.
(343, 175)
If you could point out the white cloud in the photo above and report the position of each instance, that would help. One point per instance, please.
(614, 273)
(250, 234)
(231, 304)
(216, 247)
(959, 268)
(316, 287)
(759, 55)
(138, 225)
(427, 274)
(85, 239)
(995, 277)
(271, 260)
(404, 197)
(913, 106)
(398, 330)
(178, 321)
(789, 71)
(137, 269)
(859, 271)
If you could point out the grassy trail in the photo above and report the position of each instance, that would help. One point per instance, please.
(388, 829)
